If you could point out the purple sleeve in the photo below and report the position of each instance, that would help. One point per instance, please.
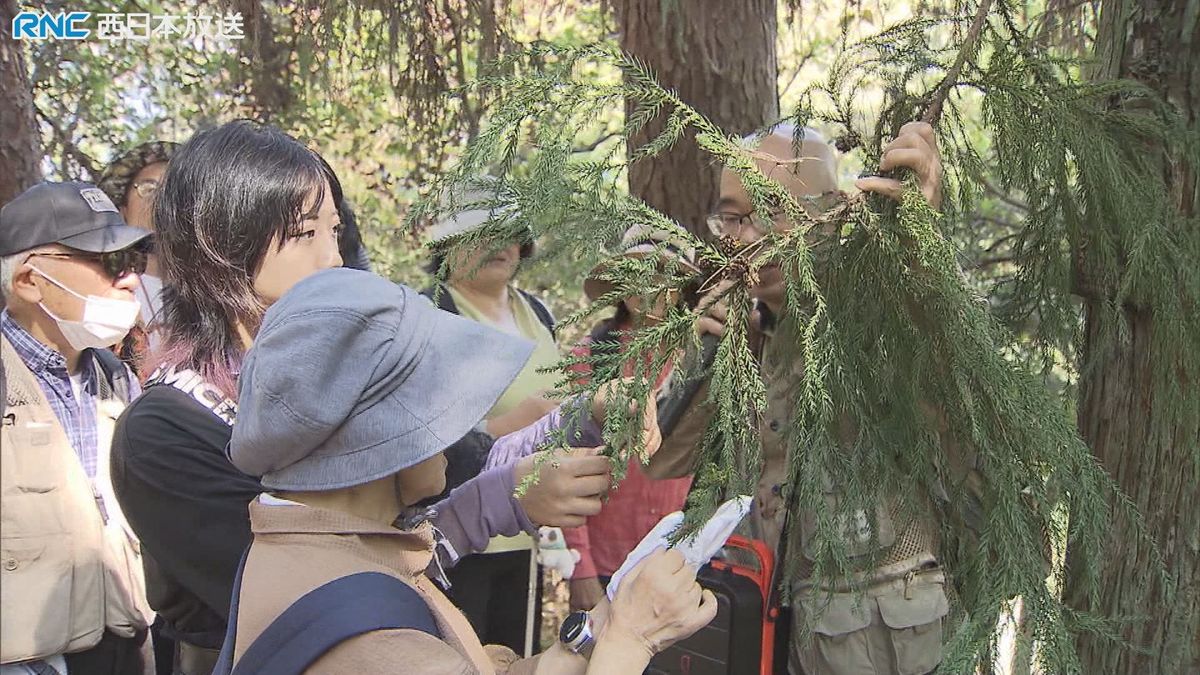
(480, 509)
(523, 442)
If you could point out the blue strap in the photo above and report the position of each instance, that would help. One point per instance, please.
(224, 664)
(324, 618)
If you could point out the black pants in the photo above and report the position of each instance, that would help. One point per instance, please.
(492, 589)
(164, 648)
(111, 656)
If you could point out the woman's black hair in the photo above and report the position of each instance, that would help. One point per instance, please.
(350, 244)
(228, 194)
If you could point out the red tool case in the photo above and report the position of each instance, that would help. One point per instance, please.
(741, 639)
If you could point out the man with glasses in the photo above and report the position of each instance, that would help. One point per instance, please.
(894, 626)
(72, 596)
(131, 180)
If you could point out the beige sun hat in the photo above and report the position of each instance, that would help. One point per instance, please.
(466, 220)
(474, 216)
(640, 241)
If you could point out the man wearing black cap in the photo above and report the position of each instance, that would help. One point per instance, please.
(72, 595)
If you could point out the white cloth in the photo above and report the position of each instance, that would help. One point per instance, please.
(697, 549)
(149, 296)
(76, 386)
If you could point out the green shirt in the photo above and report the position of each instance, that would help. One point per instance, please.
(529, 381)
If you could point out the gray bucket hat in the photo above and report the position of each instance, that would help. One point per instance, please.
(353, 378)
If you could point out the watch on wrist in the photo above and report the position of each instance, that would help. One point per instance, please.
(576, 633)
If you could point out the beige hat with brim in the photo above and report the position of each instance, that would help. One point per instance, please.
(476, 215)
(464, 221)
(641, 241)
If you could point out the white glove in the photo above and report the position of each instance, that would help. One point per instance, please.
(697, 549)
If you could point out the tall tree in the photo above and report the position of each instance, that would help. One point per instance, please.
(20, 147)
(719, 57)
(268, 73)
(1147, 440)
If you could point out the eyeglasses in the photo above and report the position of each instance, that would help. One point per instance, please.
(731, 223)
(116, 264)
(146, 188)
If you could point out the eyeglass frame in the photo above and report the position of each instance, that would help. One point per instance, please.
(137, 187)
(716, 223)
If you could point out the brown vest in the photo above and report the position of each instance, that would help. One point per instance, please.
(66, 571)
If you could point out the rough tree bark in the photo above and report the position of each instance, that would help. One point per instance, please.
(20, 146)
(719, 56)
(268, 76)
(1156, 42)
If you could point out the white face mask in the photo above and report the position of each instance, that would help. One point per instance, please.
(105, 320)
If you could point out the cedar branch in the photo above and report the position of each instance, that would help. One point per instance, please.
(934, 112)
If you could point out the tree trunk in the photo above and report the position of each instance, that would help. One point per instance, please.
(719, 56)
(268, 73)
(1148, 446)
(20, 147)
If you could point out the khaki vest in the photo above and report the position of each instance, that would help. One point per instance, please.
(906, 544)
(67, 571)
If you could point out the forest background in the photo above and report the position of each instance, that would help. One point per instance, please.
(366, 83)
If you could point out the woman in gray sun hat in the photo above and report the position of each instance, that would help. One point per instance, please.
(344, 450)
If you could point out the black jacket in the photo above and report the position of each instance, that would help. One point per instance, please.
(187, 503)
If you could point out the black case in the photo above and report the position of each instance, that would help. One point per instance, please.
(733, 643)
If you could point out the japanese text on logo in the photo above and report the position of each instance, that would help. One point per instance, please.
(131, 26)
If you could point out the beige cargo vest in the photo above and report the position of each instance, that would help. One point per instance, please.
(895, 627)
(67, 571)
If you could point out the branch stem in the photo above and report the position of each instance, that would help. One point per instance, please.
(934, 112)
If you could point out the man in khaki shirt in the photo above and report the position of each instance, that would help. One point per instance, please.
(71, 589)
(892, 622)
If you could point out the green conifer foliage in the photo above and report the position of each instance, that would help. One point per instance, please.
(911, 386)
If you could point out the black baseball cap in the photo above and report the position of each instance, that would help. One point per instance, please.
(77, 215)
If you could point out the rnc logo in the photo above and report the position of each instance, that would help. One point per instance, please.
(39, 26)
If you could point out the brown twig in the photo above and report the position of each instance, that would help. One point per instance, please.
(934, 112)
(595, 144)
(1003, 196)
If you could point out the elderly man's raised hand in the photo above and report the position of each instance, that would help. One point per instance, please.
(914, 148)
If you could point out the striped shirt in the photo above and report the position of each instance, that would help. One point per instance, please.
(76, 414)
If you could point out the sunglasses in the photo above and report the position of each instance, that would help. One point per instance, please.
(116, 264)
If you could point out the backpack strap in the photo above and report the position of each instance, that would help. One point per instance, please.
(322, 619)
(542, 311)
(224, 664)
(440, 296)
(115, 374)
